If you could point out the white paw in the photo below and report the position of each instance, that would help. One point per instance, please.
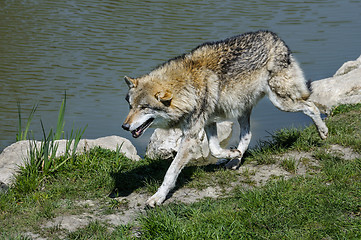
(155, 200)
(323, 133)
(234, 153)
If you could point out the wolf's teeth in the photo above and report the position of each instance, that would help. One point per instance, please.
(139, 131)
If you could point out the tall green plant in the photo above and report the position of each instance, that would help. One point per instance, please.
(22, 135)
(61, 122)
(41, 158)
(74, 139)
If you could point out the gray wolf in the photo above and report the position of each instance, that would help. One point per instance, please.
(217, 81)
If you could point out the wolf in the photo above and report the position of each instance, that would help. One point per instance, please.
(217, 81)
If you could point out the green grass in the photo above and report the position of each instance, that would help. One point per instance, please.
(324, 206)
(289, 165)
(301, 208)
(345, 127)
(41, 159)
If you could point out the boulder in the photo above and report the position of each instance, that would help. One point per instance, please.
(17, 153)
(343, 88)
(110, 142)
(164, 143)
(348, 67)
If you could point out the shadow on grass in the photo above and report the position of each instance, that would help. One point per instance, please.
(150, 176)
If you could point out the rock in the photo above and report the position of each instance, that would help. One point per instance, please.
(343, 88)
(164, 143)
(348, 67)
(112, 143)
(10, 159)
(3, 188)
(17, 153)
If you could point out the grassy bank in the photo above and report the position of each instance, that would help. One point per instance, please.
(322, 204)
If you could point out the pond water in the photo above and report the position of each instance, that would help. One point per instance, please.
(86, 47)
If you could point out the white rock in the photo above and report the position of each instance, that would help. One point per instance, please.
(343, 88)
(348, 67)
(16, 154)
(164, 143)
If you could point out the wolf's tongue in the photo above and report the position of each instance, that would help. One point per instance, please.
(137, 133)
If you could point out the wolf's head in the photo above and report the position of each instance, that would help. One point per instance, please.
(149, 105)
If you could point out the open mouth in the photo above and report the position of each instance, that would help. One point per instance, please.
(139, 131)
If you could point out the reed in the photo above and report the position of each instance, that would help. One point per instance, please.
(41, 158)
(22, 135)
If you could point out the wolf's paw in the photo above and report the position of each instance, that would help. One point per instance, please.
(234, 153)
(155, 200)
(233, 164)
(227, 153)
(323, 133)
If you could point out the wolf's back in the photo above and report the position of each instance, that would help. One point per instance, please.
(245, 52)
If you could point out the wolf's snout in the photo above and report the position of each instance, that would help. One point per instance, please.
(126, 126)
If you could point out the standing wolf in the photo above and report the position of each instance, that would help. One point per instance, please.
(217, 81)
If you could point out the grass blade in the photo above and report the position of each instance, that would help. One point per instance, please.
(61, 123)
(30, 118)
(22, 135)
(77, 138)
(19, 135)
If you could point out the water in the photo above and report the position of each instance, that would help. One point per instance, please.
(86, 47)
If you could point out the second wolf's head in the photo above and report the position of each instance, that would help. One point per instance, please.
(149, 105)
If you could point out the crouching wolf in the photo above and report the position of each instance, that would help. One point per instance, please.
(217, 81)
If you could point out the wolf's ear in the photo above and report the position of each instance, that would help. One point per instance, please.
(131, 82)
(164, 97)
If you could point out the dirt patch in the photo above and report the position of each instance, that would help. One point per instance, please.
(343, 152)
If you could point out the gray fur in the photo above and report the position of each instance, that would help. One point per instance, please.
(217, 81)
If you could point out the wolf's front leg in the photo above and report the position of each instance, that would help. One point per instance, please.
(183, 156)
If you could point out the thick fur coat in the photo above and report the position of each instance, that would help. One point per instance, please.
(217, 81)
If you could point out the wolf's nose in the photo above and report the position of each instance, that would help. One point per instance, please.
(126, 126)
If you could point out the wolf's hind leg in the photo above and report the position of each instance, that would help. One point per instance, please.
(214, 146)
(245, 138)
(307, 107)
(313, 112)
(245, 132)
(288, 92)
